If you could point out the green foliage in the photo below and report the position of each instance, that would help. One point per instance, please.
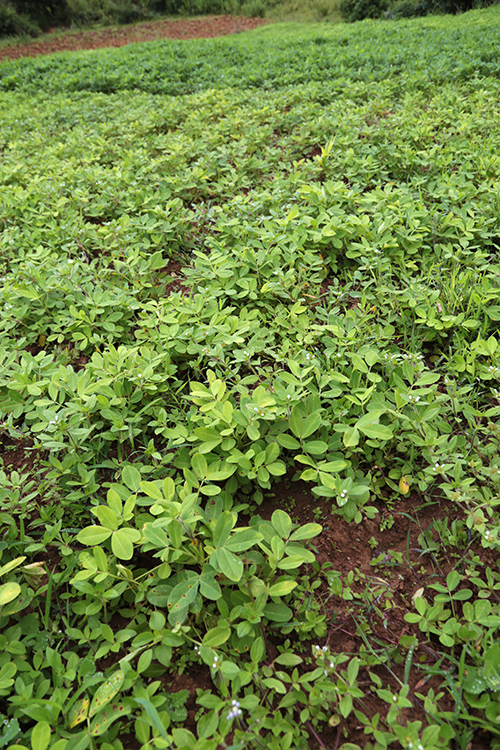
(14, 23)
(357, 10)
(44, 13)
(328, 57)
(225, 273)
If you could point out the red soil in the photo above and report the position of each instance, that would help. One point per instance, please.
(209, 26)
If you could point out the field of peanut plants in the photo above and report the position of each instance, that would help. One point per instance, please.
(250, 391)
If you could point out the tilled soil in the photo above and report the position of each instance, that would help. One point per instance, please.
(197, 28)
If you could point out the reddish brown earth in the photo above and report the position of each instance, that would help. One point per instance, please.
(118, 36)
(343, 547)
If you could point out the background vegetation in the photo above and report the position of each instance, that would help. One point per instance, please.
(224, 263)
(31, 17)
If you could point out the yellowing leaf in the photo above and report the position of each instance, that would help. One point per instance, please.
(78, 712)
(8, 592)
(404, 487)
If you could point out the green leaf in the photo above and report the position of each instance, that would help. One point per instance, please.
(277, 612)
(308, 531)
(253, 433)
(282, 523)
(429, 377)
(281, 588)
(351, 437)
(151, 490)
(11, 730)
(257, 650)
(208, 435)
(243, 539)
(224, 471)
(295, 421)
(276, 468)
(315, 447)
(272, 452)
(92, 535)
(156, 536)
(207, 724)
(311, 424)
(352, 670)
(144, 661)
(211, 490)
(209, 588)
(462, 595)
(122, 543)
(288, 660)
(199, 465)
(290, 562)
(309, 475)
(223, 528)
(132, 478)
(40, 736)
(332, 467)
(288, 442)
(228, 564)
(378, 432)
(275, 685)
(107, 517)
(216, 637)
(328, 481)
(453, 579)
(369, 425)
(168, 488)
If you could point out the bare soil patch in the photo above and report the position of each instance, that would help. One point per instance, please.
(119, 36)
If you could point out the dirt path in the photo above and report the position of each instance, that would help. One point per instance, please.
(209, 26)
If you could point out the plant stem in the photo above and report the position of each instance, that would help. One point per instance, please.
(311, 729)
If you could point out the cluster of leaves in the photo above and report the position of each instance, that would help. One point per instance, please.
(336, 321)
